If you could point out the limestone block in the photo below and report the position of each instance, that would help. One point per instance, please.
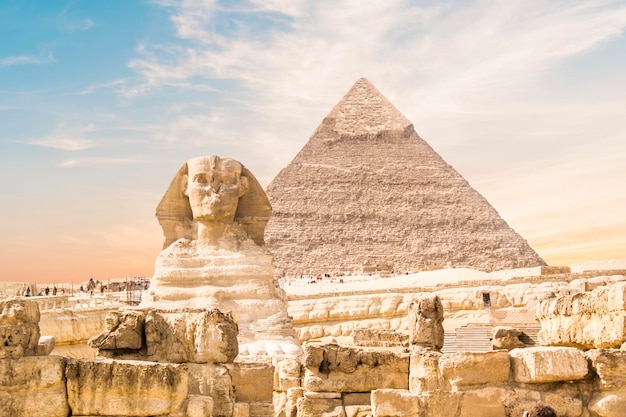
(241, 410)
(426, 322)
(199, 406)
(466, 369)
(45, 345)
(320, 407)
(595, 319)
(440, 403)
(358, 410)
(424, 370)
(191, 335)
(19, 327)
(117, 388)
(548, 364)
(608, 404)
(124, 330)
(357, 398)
(609, 364)
(506, 338)
(285, 403)
(257, 409)
(379, 338)
(564, 397)
(253, 381)
(334, 368)
(33, 387)
(213, 381)
(484, 402)
(286, 373)
(395, 403)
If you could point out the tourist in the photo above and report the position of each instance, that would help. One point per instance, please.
(47, 290)
(54, 290)
(540, 410)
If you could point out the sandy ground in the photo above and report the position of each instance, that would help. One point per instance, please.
(303, 287)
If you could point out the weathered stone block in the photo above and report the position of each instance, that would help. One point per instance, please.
(358, 410)
(33, 387)
(19, 328)
(45, 345)
(548, 364)
(591, 320)
(608, 404)
(334, 368)
(424, 371)
(357, 398)
(320, 407)
(484, 402)
(253, 381)
(199, 406)
(426, 322)
(116, 388)
(395, 403)
(213, 381)
(440, 403)
(201, 336)
(379, 338)
(610, 365)
(465, 369)
(506, 338)
(286, 373)
(125, 330)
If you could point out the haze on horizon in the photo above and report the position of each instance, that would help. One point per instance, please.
(102, 102)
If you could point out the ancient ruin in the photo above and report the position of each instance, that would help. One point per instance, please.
(217, 336)
(213, 217)
(367, 194)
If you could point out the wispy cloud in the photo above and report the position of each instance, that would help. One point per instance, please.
(90, 89)
(66, 138)
(26, 60)
(70, 163)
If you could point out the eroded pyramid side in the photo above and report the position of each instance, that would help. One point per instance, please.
(366, 190)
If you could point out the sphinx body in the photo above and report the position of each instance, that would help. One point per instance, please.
(213, 216)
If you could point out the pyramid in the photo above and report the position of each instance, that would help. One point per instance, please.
(366, 193)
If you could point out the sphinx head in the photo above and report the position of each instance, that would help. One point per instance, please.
(214, 192)
(214, 186)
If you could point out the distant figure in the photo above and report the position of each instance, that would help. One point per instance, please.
(541, 410)
(47, 290)
(54, 290)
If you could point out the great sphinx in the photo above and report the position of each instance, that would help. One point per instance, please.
(213, 216)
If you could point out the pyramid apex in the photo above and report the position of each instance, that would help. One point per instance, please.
(364, 110)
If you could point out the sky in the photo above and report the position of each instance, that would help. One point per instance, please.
(102, 101)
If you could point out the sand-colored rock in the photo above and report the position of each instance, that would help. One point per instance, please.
(609, 404)
(609, 365)
(214, 381)
(395, 403)
(596, 319)
(548, 364)
(425, 322)
(178, 336)
(33, 386)
(213, 216)
(462, 370)
(424, 375)
(125, 388)
(505, 337)
(335, 368)
(19, 328)
(250, 381)
(320, 407)
(367, 192)
(484, 402)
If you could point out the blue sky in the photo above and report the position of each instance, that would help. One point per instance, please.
(102, 101)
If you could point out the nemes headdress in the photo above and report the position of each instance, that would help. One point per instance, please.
(176, 219)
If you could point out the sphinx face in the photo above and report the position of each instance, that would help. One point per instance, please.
(214, 186)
